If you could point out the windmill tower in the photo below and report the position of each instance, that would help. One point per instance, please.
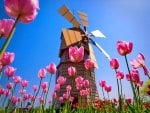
(77, 36)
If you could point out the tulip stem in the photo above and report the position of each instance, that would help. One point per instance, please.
(0, 74)
(108, 96)
(0, 37)
(119, 95)
(103, 93)
(121, 89)
(5, 45)
(132, 86)
(4, 102)
(104, 100)
(146, 72)
(148, 75)
(13, 90)
(37, 91)
(48, 89)
(72, 85)
(118, 85)
(138, 91)
(1, 71)
(22, 98)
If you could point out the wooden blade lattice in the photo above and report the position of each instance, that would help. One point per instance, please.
(84, 18)
(64, 11)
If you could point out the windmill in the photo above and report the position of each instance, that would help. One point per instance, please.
(77, 36)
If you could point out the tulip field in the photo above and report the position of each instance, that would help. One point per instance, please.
(13, 100)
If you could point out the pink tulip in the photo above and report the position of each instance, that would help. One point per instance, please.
(114, 63)
(17, 79)
(89, 64)
(35, 88)
(145, 70)
(107, 88)
(7, 58)
(128, 77)
(5, 27)
(86, 83)
(135, 64)
(9, 85)
(42, 73)
(54, 95)
(41, 100)
(6, 92)
(61, 99)
(76, 54)
(124, 47)
(22, 91)
(10, 71)
(71, 99)
(119, 75)
(18, 99)
(66, 95)
(45, 90)
(2, 90)
(79, 86)
(26, 97)
(135, 76)
(79, 79)
(139, 62)
(14, 99)
(72, 71)
(51, 68)
(26, 10)
(141, 58)
(44, 85)
(83, 92)
(30, 95)
(102, 83)
(24, 83)
(68, 88)
(61, 80)
(32, 98)
(57, 87)
(139, 84)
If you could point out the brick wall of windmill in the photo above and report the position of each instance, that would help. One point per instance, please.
(90, 75)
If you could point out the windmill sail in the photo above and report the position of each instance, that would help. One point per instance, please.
(92, 55)
(100, 48)
(98, 33)
(103, 51)
(71, 36)
(64, 11)
(84, 18)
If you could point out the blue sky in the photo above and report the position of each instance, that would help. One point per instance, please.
(37, 44)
